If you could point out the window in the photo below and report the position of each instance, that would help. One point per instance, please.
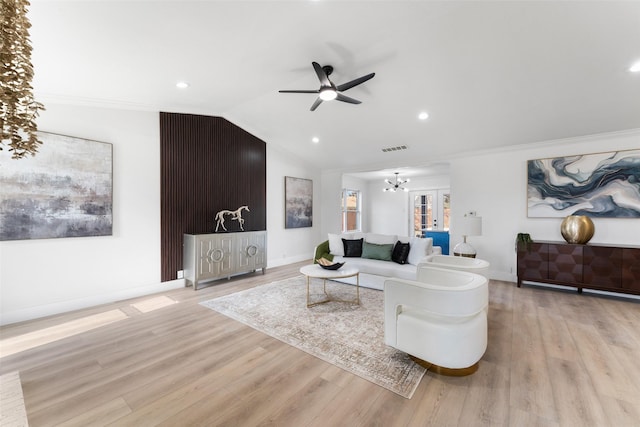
(351, 210)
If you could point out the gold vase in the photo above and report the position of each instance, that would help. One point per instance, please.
(577, 229)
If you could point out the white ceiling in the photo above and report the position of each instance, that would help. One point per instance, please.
(490, 74)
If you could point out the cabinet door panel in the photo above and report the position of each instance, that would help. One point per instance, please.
(565, 263)
(215, 256)
(603, 266)
(533, 261)
(251, 250)
(631, 269)
(245, 249)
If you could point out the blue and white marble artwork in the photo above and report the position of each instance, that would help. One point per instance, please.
(601, 185)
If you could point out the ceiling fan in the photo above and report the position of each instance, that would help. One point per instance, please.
(329, 91)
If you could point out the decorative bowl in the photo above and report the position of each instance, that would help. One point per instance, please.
(577, 229)
(335, 266)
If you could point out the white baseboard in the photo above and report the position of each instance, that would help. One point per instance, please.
(503, 276)
(31, 313)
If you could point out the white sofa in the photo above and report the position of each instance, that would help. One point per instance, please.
(373, 272)
(440, 318)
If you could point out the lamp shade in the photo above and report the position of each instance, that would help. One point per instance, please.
(474, 225)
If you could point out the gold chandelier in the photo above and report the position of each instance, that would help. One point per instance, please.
(19, 109)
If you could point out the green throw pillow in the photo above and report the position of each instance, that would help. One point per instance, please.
(373, 251)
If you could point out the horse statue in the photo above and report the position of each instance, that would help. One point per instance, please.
(235, 216)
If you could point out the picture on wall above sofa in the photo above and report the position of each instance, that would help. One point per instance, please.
(65, 190)
(605, 185)
(298, 202)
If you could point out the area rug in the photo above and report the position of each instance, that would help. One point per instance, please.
(347, 335)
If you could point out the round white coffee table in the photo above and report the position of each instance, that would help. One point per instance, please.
(316, 272)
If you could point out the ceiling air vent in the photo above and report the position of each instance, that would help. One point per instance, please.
(398, 148)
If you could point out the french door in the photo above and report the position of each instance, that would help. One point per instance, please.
(430, 211)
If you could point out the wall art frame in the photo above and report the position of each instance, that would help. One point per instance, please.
(598, 185)
(65, 190)
(298, 202)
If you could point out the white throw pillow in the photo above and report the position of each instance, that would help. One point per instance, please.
(335, 244)
(418, 249)
(381, 239)
(354, 236)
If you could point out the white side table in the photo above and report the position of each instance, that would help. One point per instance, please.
(317, 272)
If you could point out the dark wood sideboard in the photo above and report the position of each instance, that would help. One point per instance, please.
(601, 267)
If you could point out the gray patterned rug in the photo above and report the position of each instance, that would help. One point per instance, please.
(348, 336)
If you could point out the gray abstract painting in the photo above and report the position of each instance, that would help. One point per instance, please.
(64, 191)
(298, 202)
(604, 185)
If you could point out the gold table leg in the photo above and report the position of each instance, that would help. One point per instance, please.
(329, 297)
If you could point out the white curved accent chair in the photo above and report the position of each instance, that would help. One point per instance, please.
(440, 318)
(470, 265)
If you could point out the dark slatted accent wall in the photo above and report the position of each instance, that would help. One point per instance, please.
(207, 164)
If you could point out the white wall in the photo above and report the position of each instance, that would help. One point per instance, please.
(41, 277)
(495, 186)
(331, 196)
(44, 277)
(388, 212)
(286, 246)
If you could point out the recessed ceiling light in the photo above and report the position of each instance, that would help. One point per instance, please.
(635, 68)
(423, 115)
(182, 85)
(315, 139)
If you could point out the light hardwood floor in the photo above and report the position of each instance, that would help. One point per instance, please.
(555, 358)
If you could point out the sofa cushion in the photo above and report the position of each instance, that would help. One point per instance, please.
(379, 268)
(373, 251)
(336, 246)
(400, 252)
(380, 239)
(352, 248)
(419, 248)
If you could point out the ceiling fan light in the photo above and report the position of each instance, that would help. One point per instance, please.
(328, 94)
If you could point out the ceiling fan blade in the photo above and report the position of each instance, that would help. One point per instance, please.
(355, 82)
(315, 104)
(322, 76)
(344, 98)
(299, 91)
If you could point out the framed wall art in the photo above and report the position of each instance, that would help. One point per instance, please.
(65, 190)
(298, 202)
(600, 185)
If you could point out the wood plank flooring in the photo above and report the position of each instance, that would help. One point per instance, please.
(555, 358)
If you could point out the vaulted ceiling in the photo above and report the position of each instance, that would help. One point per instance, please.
(489, 74)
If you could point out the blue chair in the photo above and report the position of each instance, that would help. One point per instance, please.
(440, 238)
